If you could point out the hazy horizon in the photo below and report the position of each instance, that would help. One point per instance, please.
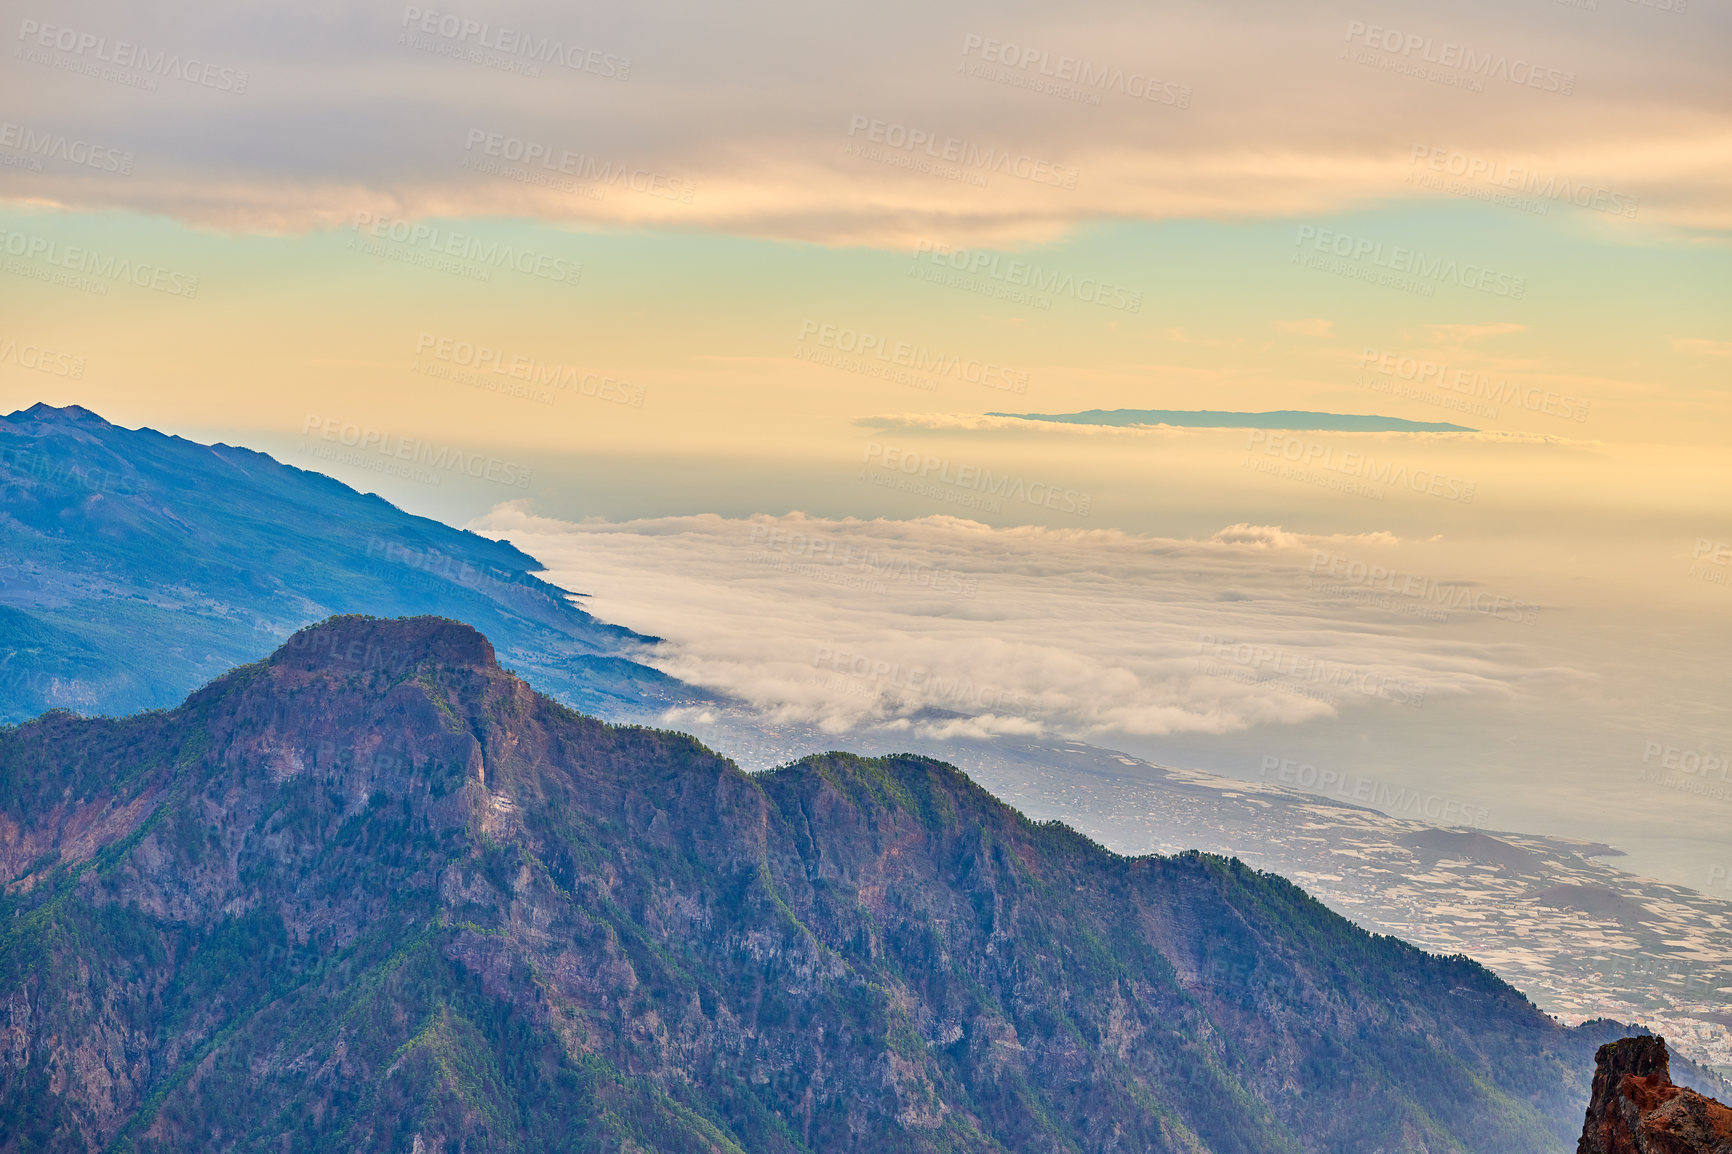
(673, 276)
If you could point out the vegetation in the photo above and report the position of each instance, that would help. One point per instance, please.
(345, 903)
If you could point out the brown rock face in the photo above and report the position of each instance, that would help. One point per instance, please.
(1635, 1109)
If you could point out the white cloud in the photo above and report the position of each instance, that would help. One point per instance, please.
(1275, 537)
(952, 628)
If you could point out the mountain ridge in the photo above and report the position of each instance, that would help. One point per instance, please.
(137, 565)
(375, 891)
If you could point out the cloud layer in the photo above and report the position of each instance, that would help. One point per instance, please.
(885, 125)
(952, 628)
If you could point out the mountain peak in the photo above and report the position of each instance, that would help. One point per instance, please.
(67, 414)
(353, 641)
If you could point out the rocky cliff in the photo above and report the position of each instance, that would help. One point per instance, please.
(374, 893)
(1635, 1108)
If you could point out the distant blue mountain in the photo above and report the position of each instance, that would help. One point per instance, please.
(135, 567)
(1294, 419)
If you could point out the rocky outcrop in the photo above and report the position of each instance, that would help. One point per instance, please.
(1635, 1108)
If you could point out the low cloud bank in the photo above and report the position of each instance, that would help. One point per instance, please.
(954, 628)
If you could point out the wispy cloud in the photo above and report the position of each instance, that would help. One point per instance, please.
(879, 127)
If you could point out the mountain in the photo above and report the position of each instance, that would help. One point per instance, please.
(1553, 916)
(374, 893)
(135, 567)
(1291, 419)
(1635, 1108)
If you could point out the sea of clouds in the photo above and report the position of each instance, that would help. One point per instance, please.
(950, 627)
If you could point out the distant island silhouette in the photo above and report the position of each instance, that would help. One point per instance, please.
(1213, 419)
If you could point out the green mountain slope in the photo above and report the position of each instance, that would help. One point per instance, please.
(376, 894)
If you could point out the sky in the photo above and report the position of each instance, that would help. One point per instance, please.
(635, 266)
